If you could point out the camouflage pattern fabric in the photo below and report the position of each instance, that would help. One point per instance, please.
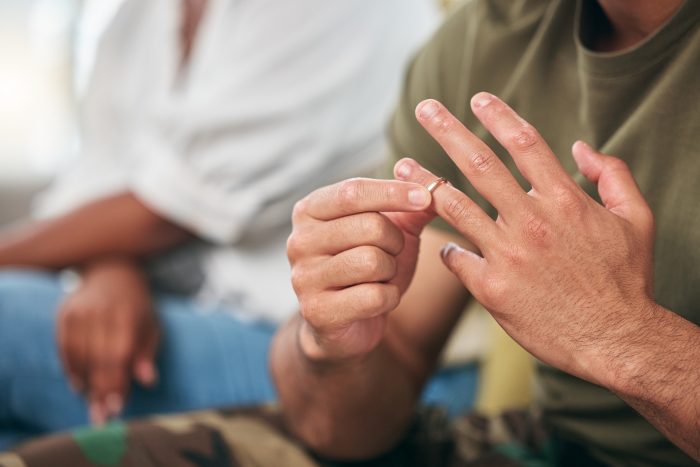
(257, 437)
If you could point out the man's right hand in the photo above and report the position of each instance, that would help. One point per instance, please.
(353, 252)
(107, 335)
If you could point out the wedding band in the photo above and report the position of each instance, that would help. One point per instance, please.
(436, 183)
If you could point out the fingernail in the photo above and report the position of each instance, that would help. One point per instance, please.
(403, 170)
(482, 100)
(148, 375)
(449, 248)
(418, 196)
(97, 416)
(115, 403)
(428, 109)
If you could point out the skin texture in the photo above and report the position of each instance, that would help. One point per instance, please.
(538, 269)
(108, 335)
(106, 329)
(117, 225)
(350, 367)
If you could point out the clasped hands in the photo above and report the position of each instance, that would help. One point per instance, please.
(564, 275)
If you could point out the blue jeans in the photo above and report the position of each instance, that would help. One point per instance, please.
(205, 360)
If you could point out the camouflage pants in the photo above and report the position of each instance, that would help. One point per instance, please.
(257, 437)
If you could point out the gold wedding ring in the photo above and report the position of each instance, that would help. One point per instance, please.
(436, 183)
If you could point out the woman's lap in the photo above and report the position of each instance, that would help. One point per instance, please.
(205, 359)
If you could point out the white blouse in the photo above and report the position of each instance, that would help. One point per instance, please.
(279, 97)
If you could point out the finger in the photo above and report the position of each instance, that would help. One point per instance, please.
(97, 412)
(453, 206)
(466, 265)
(109, 363)
(64, 349)
(333, 237)
(474, 158)
(336, 309)
(77, 332)
(359, 265)
(144, 365)
(616, 185)
(532, 155)
(145, 371)
(364, 195)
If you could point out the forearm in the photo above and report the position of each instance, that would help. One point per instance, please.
(352, 410)
(655, 368)
(110, 269)
(118, 225)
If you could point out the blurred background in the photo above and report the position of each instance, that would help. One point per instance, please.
(46, 53)
(46, 50)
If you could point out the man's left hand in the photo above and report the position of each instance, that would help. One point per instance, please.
(565, 276)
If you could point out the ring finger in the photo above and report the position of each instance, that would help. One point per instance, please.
(454, 206)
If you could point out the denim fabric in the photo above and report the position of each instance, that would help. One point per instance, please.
(205, 360)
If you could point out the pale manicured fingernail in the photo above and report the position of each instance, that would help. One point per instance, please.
(418, 196)
(449, 248)
(482, 100)
(428, 109)
(115, 403)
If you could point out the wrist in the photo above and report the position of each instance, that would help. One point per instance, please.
(112, 268)
(320, 354)
(624, 357)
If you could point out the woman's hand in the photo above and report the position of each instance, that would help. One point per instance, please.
(108, 334)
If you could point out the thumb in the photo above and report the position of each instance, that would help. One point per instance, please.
(616, 186)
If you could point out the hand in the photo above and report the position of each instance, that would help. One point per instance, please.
(107, 334)
(564, 276)
(353, 252)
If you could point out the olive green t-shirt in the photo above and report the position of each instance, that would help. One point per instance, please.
(641, 105)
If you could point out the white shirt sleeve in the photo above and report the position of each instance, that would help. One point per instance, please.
(281, 97)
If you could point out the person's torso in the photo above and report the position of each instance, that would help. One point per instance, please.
(639, 105)
(140, 91)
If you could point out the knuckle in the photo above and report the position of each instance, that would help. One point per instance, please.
(570, 202)
(299, 278)
(370, 260)
(493, 291)
(379, 298)
(299, 210)
(481, 162)
(537, 229)
(378, 230)
(295, 246)
(525, 138)
(513, 256)
(458, 209)
(349, 193)
(310, 307)
(373, 226)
